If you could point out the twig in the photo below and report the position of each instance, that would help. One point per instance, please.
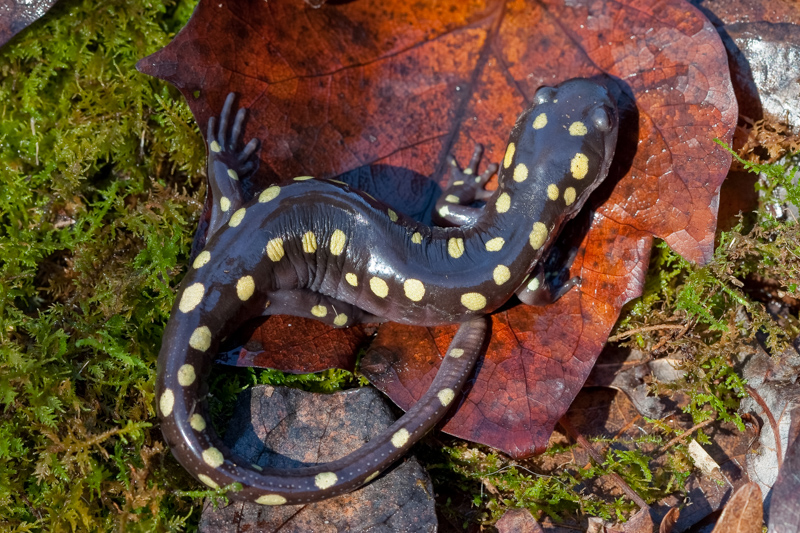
(631, 332)
(688, 432)
(772, 422)
(599, 460)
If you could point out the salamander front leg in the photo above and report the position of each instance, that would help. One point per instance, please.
(227, 165)
(549, 281)
(454, 207)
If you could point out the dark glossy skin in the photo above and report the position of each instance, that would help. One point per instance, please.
(319, 249)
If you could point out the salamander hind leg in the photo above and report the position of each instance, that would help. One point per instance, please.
(309, 304)
(465, 187)
(227, 164)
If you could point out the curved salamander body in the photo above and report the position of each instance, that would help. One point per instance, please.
(316, 248)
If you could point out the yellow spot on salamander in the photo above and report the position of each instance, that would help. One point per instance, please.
(338, 240)
(444, 211)
(540, 121)
(452, 198)
(303, 178)
(207, 481)
(256, 467)
(509, 155)
(166, 402)
(372, 476)
(495, 245)
(197, 422)
(270, 193)
(533, 285)
(520, 173)
(237, 217)
(271, 499)
(538, 235)
(201, 259)
(414, 289)
(233, 175)
(379, 287)
(352, 279)
(416, 238)
(191, 297)
(213, 457)
(215, 147)
(400, 438)
(325, 480)
(577, 129)
(224, 204)
(274, 249)
(458, 183)
(579, 166)
(201, 339)
(503, 203)
(446, 396)
(319, 311)
(467, 171)
(569, 195)
(186, 375)
(309, 242)
(552, 191)
(340, 320)
(501, 274)
(245, 288)
(473, 301)
(392, 215)
(455, 353)
(455, 247)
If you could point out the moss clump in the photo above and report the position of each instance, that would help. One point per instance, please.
(94, 227)
(554, 486)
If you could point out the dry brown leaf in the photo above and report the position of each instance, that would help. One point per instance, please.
(744, 512)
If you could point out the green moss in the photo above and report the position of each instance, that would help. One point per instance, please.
(94, 227)
(717, 305)
(555, 486)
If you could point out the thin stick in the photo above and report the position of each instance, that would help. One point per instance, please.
(599, 460)
(773, 424)
(631, 332)
(686, 433)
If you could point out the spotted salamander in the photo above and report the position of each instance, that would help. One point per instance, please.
(317, 248)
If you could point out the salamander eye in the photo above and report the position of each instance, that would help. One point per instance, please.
(544, 95)
(600, 119)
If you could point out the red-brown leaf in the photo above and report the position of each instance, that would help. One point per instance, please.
(16, 15)
(518, 521)
(286, 342)
(403, 84)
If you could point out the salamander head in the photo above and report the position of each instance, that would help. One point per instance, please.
(562, 146)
